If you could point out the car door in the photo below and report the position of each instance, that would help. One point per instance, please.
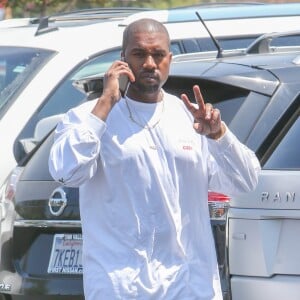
(263, 226)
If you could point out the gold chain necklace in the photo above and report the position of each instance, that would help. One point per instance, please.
(146, 125)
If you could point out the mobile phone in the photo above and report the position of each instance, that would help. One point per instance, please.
(123, 84)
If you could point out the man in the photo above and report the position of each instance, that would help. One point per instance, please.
(144, 173)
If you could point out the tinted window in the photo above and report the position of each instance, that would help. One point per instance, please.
(233, 43)
(287, 154)
(191, 45)
(17, 67)
(207, 44)
(228, 99)
(230, 107)
(292, 40)
(175, 48)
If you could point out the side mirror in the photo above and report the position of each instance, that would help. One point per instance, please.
(42, 128)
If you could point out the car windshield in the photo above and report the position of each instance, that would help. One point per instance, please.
(18, 65)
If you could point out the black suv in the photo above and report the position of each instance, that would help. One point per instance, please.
(257, 246)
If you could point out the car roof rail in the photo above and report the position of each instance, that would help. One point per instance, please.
(93, 14)
(207, 55)
(97, 13)
(263, 43)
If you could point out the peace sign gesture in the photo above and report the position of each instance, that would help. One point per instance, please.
(207, 120)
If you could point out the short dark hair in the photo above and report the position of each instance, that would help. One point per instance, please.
(143, 25)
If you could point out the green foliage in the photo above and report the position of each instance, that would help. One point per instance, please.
(38, 8)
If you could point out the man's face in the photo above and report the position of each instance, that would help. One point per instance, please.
(149, 58)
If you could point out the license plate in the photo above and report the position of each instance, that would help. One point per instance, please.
(66, 254)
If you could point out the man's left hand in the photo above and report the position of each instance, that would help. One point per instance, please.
(207, 119)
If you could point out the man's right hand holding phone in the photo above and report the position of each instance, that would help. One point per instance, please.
(116, 80)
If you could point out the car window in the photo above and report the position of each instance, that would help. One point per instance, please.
(292, 40)
(18, 66)
(207, 44)
(98, 65)
(236, 43)
(62, 99)
(287, 154)
(230, 107)
(227, 98)
(175, 47)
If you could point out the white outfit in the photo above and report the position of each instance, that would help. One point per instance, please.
(145, 219)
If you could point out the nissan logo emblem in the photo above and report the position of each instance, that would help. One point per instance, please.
(57, 202)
